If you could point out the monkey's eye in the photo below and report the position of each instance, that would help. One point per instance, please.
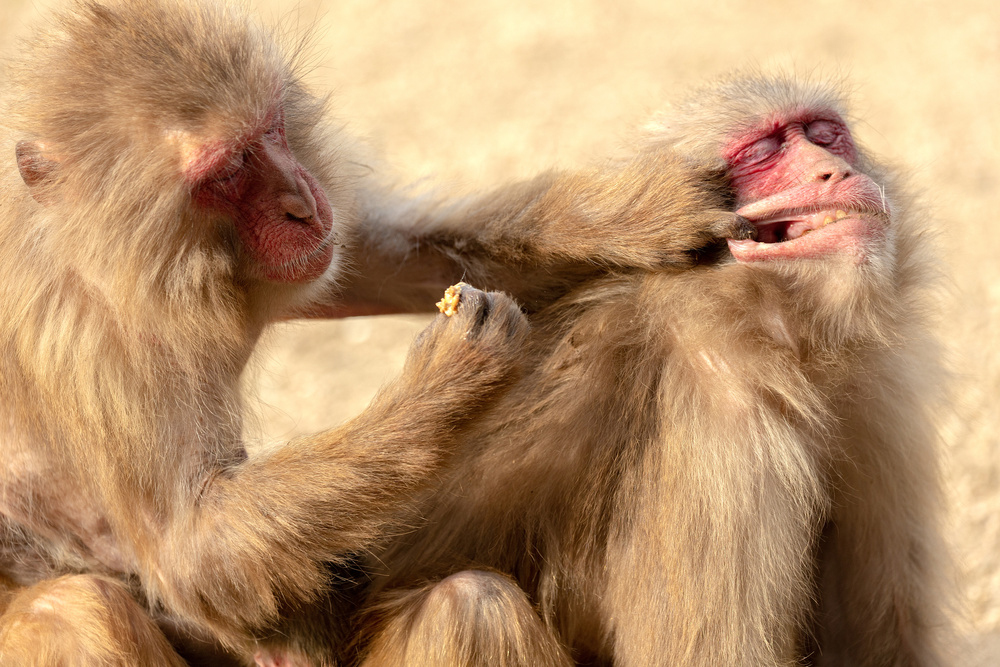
(760, 150)
(823, 132)
(231, 169)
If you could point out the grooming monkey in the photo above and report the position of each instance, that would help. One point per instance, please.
(172, 189)
(730, 463)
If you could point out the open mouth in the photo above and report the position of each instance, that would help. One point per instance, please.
(817, 220)
(811, 234)
(791, 227)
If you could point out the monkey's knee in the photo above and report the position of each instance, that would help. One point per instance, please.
(81, 620)
(470, 618)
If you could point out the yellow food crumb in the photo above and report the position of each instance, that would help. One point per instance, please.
(449, 304)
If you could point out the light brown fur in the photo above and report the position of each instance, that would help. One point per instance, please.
(539, 238)
(130, 312)
(729, 464)
(129, 320)
(82, 620)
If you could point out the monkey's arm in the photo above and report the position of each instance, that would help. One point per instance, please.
(258, 535)
(881, 557)
(536, 239)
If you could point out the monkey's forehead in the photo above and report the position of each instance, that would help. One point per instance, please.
(161, 61)
(741, 104)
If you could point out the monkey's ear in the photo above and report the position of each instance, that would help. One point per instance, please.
(37, 170)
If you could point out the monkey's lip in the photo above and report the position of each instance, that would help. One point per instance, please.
(810, 234)
(306, 267)
(788, 227)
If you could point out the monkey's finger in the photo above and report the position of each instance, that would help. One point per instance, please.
(506, 319)
(473, 309)
(469, 312)
(729, 225)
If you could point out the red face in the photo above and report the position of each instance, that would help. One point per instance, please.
(282, 216)
(795, 179)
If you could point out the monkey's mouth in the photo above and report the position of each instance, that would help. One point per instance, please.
(816, 220)
(794, 227)
(814, 234)
(308, 266)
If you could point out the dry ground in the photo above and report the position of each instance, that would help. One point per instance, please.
(469, 94)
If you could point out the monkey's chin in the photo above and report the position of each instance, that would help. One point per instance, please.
(853, 237)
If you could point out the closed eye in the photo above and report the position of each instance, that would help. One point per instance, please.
(232, 169)
(760, 150)
(824, 132)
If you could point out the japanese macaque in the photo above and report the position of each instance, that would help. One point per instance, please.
(171, 189)
(731, 463)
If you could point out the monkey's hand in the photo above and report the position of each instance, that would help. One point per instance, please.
(708, 234)
(467, 358)
(652, 212)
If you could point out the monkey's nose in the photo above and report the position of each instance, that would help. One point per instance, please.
(834, 173)
(298, 207)
(830, 169)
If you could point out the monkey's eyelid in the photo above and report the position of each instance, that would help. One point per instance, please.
(760, 150)
(824, 132)
(232, 168)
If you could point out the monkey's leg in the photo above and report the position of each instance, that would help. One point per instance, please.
(714, 566)
(81, 620)
(470, 618)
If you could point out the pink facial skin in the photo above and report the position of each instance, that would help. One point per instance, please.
(282, 216)
(794, 178)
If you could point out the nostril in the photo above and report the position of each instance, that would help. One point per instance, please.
(291, 217)
(835, 175)
(296, 208)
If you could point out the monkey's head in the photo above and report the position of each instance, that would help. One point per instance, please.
(793, 166)
(833, 235)
(176, 133)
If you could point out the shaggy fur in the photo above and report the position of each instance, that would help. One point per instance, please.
(732, 464)
(130, 313)
(128, 319)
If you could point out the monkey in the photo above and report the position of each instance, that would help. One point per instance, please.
(731, 462)
(173, 189)
(152, 228)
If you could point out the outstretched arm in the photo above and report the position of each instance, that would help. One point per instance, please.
(535, 239)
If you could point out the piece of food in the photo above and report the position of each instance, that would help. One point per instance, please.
(449, 304)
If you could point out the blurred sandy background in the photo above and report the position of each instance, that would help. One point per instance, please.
(469, 94)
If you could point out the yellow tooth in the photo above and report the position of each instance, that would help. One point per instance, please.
(807, 231)
(827, 220)
(841, 215)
